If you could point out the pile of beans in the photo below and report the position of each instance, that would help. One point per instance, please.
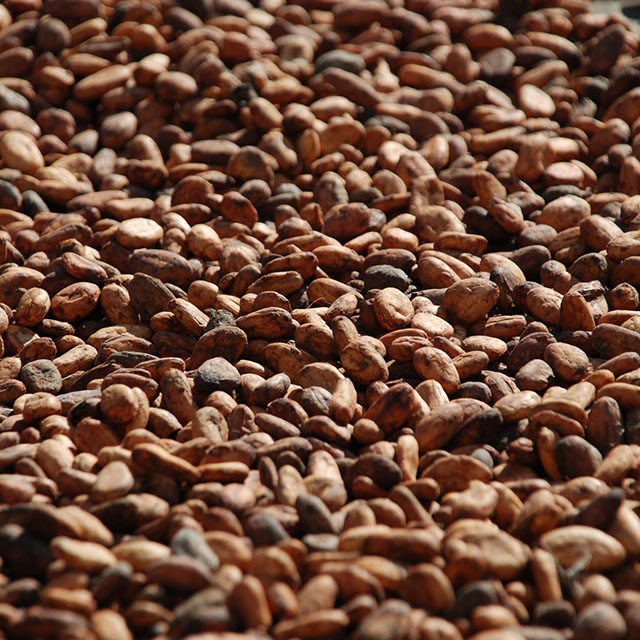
(319, 319)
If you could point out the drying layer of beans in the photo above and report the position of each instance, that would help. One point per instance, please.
(319, 320)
